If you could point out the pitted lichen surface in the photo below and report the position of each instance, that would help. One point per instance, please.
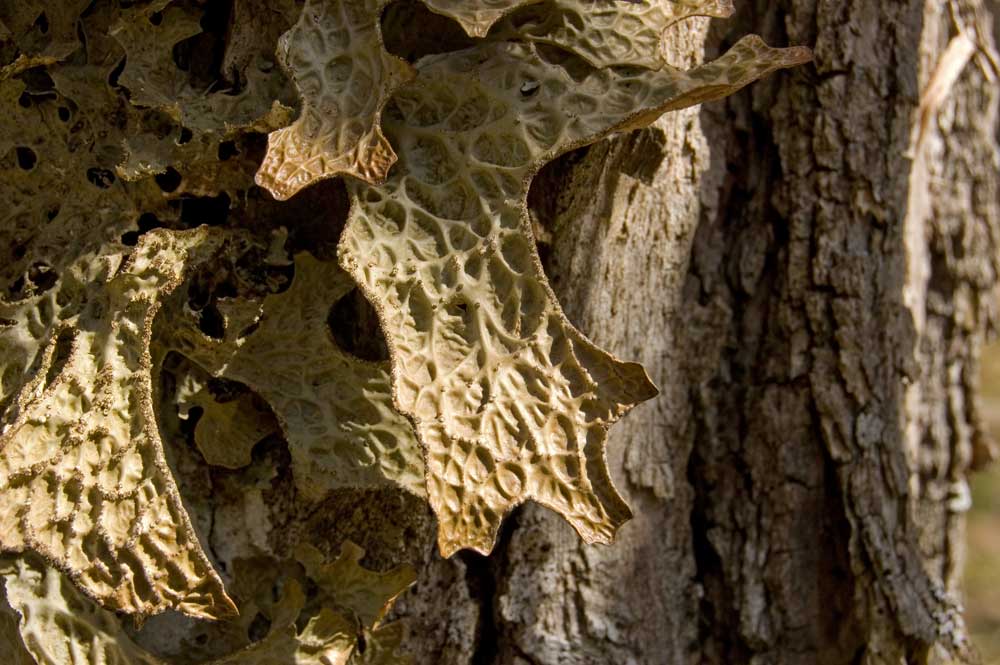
(336, 409)
(186, 374)
(604, 35)
(509, 400)
(345, 77)
(56, 624)
(83, 480)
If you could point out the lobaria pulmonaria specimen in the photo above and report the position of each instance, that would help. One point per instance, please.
(128, 170)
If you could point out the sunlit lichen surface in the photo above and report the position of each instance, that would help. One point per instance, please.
(175, 176)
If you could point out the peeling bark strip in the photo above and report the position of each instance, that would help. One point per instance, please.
(799, 486)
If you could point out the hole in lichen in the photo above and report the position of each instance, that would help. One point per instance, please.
(258, 628)
(116, 73)
(52, 213)
(181, 54)
(26, 158)
(197, 210)
(102, 178)
(211, 322)
(38, 82)
(530, 89)
(227, 149)
(169, 180)
(42, 23)
(156, 18)
(185, 137)
(147, 222)
(190, 423)
(64, 114)
(201, 55)
(199, 293)
(42, 276)
(354, 325)
(438, 34)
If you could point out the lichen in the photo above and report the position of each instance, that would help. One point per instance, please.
(345, 76)
(335, 409)
(509, 400)
(165, 324)
(58, 625)
(83, 479)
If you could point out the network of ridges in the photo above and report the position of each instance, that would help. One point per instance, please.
(44, 619)
(83, 480)
(335, 409)
(509, 400)
(344, 76)
(605, 33)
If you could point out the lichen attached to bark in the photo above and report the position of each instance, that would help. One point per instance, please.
(131, 137)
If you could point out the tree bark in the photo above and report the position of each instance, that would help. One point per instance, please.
(808, 271)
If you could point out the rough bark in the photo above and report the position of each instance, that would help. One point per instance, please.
(808, 277)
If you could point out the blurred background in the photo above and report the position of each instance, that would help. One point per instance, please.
(982, 573)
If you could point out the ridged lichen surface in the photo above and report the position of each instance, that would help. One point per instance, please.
(287, 245)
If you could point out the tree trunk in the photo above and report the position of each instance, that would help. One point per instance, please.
(808, 271)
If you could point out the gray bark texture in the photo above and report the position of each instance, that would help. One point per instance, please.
(808, 271)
